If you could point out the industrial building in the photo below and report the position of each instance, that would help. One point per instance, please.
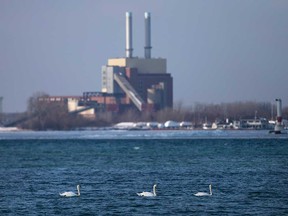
(129, 82)
(143, 82)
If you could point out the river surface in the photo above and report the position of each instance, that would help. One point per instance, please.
(248, 171)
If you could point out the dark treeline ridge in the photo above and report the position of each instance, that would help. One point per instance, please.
(55, 116)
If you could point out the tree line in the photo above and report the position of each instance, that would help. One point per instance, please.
(45, 115)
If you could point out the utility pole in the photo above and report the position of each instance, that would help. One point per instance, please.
(1, 105)
(1, 109)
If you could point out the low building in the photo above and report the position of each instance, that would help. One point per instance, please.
(256, 123)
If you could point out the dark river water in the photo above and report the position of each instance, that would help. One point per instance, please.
(248, 172)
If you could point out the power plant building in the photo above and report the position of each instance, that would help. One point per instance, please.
(128, 82)
(144, 82)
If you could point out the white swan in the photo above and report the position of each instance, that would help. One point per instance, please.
(70, 193)
(148, 194)
(205, 194)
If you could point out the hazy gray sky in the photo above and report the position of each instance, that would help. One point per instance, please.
(217, 51)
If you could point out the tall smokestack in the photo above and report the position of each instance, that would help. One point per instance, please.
(147, 48)
(129, 48)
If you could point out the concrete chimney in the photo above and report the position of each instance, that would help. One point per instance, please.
(129, 48)
(147, 48)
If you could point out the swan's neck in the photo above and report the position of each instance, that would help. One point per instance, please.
(210, 187)
(154, 190)
(78, 189)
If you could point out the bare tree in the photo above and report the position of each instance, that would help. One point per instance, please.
(47, 115)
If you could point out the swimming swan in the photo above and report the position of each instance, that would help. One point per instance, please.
(70, 193)
(205, 194)
(148, 194)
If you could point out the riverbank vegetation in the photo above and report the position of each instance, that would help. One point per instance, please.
(43, 115)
